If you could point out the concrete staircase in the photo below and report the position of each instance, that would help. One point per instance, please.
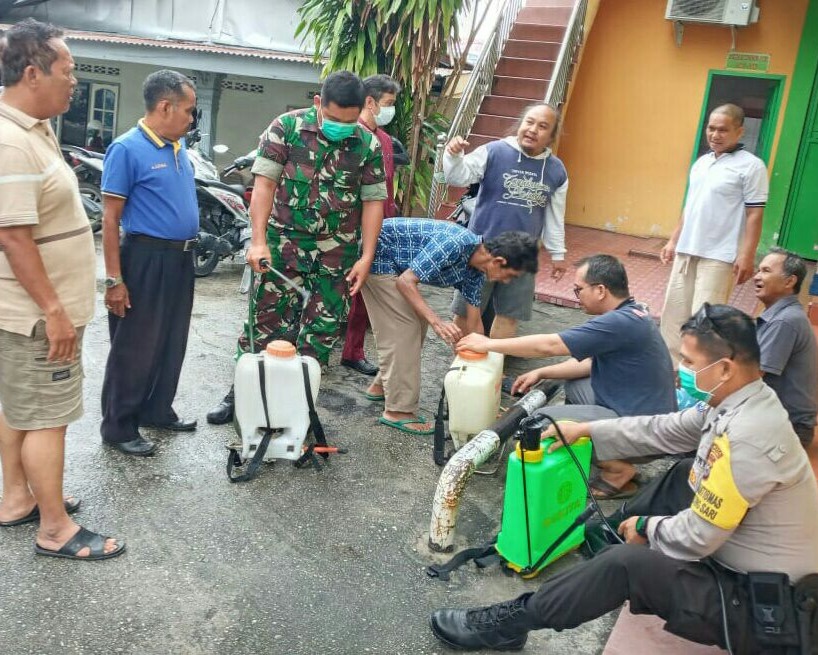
(521, 78)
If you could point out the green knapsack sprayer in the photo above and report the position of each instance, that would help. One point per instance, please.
(544, 505)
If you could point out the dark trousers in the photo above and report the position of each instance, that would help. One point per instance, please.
(148, 344)
(357, 322)
(684, 594)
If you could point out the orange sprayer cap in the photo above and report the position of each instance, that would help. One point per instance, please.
(471, 356)
(281, 348)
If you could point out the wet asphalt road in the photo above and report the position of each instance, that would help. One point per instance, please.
(296, 561)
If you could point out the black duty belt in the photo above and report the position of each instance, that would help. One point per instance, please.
(188, 244)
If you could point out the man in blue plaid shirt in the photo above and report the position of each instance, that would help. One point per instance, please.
(443, 254)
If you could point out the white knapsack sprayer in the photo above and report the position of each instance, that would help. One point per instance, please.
(275, 394)
(469, 400)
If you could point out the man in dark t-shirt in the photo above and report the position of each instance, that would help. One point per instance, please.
(618, 366)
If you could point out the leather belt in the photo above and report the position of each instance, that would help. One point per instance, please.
(188, 244)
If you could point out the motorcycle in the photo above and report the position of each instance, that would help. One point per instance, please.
(93, 210)
(87, 166)
(224, 219)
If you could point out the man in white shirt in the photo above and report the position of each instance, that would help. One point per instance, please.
(713, 247)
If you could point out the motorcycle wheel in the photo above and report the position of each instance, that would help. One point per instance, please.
(205, 261)
(90, 190)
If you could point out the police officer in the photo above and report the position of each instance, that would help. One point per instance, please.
(747, 502)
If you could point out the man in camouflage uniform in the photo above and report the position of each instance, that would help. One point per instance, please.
(319, 190)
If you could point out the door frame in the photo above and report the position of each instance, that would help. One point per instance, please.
(792, 129)
(771, 124)
(785, 231)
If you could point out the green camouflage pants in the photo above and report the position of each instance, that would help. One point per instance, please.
(318, 263)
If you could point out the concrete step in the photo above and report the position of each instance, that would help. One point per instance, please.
(504, 106)
(520, 87)
(531, 68)
(643, 634)
(531, 49)
(545, 15)
(453, 195)
(537, 32)
(476, 140)
(497, 126)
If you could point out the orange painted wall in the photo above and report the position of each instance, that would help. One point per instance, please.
(632, 118)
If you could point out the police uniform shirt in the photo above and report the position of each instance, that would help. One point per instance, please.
(756, 500)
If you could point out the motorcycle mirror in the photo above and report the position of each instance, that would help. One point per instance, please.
(220, 148)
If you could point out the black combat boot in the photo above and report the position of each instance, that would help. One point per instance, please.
(498, 627)
(223, 412)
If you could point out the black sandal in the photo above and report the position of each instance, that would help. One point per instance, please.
(83, 539)
(71, 506)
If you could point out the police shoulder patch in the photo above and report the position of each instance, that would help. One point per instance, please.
(718, 500)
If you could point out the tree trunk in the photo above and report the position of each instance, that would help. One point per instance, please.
(419, 107)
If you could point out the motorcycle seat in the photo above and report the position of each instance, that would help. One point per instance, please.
(233, 188)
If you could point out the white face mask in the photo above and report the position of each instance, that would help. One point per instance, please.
(385, 116)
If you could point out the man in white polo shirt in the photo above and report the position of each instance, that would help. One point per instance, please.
(713, 247)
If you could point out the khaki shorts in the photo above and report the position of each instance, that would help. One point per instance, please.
(36, 394)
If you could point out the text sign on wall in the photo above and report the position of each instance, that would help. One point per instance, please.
(748, 61)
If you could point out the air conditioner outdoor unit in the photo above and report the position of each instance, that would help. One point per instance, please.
(717, 12)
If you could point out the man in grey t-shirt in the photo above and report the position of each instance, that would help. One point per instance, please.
(789, 355)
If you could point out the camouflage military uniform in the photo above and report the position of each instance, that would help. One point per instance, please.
(314, 229)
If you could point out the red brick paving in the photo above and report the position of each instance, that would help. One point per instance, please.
(646, 274)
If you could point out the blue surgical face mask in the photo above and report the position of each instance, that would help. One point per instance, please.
(385, 116)
(687, 380)
(335, 131)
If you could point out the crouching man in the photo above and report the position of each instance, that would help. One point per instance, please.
(411, 251)
(747, 502)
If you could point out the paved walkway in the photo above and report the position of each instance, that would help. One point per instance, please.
(646, 274)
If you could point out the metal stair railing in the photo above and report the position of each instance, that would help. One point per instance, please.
(479, 84)
(556, 93)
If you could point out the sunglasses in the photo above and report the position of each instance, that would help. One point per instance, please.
(704, 322)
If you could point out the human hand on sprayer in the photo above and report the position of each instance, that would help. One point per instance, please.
(525, 381)
(475, 342)
(570, 430)
(447, 331)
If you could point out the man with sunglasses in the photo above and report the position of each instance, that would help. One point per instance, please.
(618, 366)
(747, 502)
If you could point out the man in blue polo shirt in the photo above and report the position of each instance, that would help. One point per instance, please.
(149, 190)
(411, 252)
(619, 365)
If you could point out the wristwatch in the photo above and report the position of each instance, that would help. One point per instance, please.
(642, 526)
(111, 282)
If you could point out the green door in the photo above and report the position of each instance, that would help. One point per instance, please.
(800, 227)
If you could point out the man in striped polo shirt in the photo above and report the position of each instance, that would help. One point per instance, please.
(47, 274)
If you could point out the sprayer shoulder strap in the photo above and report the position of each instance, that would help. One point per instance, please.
(482, 556)
(233, 457)
(439, 448)
(315, 422)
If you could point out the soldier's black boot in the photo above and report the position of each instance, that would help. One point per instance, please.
(498, 627)
(223, 412)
